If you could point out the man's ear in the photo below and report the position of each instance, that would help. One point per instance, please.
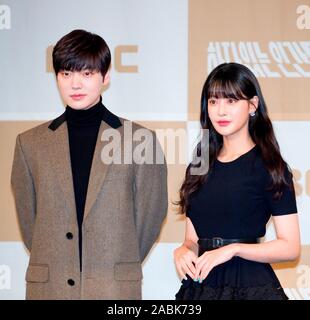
(254, 104)
(106, 78)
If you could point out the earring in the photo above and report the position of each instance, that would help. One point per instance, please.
(252, 114)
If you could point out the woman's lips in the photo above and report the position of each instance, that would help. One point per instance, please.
(77, 96)
(224, 123)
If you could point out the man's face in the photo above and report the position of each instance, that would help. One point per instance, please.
(81, 89)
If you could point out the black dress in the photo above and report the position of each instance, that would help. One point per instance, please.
(235, 202)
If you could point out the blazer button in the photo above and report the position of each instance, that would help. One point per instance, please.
(69, 235)
(71, 282)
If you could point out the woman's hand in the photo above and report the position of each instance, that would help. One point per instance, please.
(210, 259)
(184, 259)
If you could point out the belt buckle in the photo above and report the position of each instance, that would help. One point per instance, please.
(217, 242)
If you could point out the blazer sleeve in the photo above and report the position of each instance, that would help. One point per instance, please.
(150, 196)
(24, 194)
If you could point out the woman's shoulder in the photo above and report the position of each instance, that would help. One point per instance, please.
(255, 168)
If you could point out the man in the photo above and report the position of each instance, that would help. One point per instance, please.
(87, 222)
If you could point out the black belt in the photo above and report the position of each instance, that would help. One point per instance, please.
(217, 242)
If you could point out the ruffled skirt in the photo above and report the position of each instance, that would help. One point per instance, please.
(191, 290)
(236, 279)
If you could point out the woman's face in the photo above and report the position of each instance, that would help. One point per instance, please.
(230, 116)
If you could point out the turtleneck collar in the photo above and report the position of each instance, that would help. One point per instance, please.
(78, 116)
(90, 117)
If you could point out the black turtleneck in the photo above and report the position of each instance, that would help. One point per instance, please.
(83, 128)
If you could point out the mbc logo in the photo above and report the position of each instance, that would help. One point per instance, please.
(120, 52)
(5, 277)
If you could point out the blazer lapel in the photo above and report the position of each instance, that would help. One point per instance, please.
(61, 164)
(98, 171)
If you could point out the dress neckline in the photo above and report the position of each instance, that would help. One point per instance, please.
(237, 159)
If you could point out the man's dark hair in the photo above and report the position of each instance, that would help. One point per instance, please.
(80, 50)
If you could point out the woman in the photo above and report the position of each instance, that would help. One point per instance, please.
(227, 208)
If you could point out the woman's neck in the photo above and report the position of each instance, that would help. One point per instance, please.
(233, 147)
